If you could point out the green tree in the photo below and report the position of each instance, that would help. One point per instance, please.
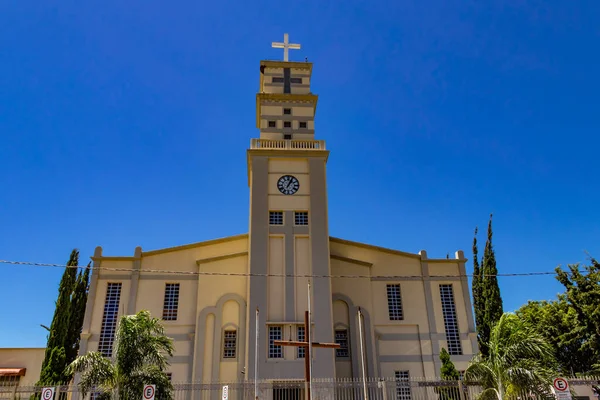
(559, 324)
(478, 300)
(139, 357)
(52, 371)
(65, 330)
(493, 308)
(448, 372)
(77, 314)
(583, 294)
(519, 361)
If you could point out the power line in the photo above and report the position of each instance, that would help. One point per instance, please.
(248, 274)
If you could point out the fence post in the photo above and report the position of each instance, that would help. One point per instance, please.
(381, 384)
(461, 392)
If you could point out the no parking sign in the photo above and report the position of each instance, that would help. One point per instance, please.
(149, 392)
(47, 393)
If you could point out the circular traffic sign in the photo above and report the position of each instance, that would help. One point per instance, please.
(148, 392)
(560, 384)
(47, 394)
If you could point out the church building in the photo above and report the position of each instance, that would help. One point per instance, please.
(208, 293)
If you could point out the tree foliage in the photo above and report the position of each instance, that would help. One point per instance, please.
(571, 324)
(519, 360)
(583, 295)
(478, 299)
(558, 323)
(448, 372)
(139, 357)
(65, 330)
(487, 300)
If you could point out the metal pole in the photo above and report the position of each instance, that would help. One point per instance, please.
(256, 359)
(362, 354)
(310, 358)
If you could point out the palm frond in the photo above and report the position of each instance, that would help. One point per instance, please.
(96, 371)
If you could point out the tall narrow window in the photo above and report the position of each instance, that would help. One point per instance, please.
(450, 319)
(109, 319)
(171, 303)
(301, 337)
(275, 333)
(276, 218)
(301, 218)
(402, 385)
(341, 338)
(394, 303)
(229, 344)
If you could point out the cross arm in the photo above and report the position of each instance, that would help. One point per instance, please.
(295, 343)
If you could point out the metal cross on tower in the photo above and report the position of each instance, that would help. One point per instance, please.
(307, 355)
(286, 45)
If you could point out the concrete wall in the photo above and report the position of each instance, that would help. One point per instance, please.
(28, 358)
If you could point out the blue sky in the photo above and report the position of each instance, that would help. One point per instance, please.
(126, 124)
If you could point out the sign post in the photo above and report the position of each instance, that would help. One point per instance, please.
(225, 392)
(561, 389)
(48, 393)
(149, 392)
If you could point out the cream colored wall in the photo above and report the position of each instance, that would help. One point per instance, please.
(371, 294)
(299, 201)
(29, 358)
(276, 284)
(196, 293)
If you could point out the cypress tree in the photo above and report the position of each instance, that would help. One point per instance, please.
(478, 300)
(78, 302)
(493, 309)
(59, 339)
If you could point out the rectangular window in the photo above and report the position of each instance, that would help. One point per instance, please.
(277, 79)
(301, 337)
(287, 124)
(450, 319)
(394, 303)
(276, 218)
(171, 303)
(272, 124)
(301, 218)
(296, 80)
(9, 380)
(302, 125)
(287, 136)
(275, 333)
(402, 385)
(287, 111)
(109, 319)
(341, 338)
(229, 344)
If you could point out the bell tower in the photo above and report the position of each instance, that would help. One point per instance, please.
(289, 234)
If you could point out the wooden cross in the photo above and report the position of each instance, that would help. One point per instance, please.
(305, 343)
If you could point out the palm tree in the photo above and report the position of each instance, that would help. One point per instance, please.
(139, 357)
(519, 361)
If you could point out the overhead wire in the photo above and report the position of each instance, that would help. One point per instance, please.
(269, 275)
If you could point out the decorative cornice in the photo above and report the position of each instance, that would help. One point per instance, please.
(374, 248)
(351, 260)
(194, 245)
(219, 258)
(287, 64)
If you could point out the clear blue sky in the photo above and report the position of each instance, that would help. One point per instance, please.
(120, 122)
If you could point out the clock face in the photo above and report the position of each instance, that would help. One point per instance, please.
(288, 184)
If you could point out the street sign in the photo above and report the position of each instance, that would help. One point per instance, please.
(47, 393)
(149, 392)
(225, 392)
(561, 389)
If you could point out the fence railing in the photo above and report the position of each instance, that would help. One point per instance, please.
(273, 144)
(321, 389)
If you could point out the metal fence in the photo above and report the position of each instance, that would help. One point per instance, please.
(321, 389)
